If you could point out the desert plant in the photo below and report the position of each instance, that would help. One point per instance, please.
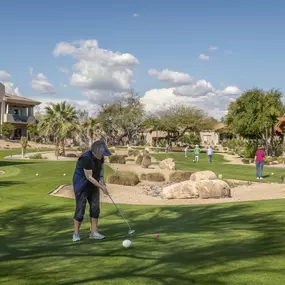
(124, 178)
(245, 160)
(268, 160)
(24, 144)
(156, 177)
(121, 159)
(146, 162)
(250, 148)
(280, 159)
(112, 149)
(179, 176)
(37, 156)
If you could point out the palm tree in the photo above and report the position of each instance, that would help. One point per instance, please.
(60, 121)
(91, 126)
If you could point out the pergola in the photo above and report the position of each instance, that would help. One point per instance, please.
(280, 126)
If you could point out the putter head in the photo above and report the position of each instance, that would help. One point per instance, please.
(131, 232)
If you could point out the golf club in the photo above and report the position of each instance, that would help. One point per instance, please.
(131, 231)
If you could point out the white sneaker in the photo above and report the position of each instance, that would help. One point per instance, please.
(76, 237)
(96, 235)
(261, 178)
(257, 177)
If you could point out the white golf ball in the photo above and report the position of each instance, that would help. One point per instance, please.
(64, 174)
(272, 173)
(127, 243)
(37, 174)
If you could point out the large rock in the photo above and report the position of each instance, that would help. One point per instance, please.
(167, 164)
(203, 175)
(146, 162)
(183, 190)
(212, 189)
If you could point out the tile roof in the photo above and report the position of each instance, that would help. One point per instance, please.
(20, 98)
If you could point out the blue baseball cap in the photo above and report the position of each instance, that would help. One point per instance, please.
(100, 148)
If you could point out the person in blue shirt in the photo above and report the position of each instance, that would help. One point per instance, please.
(88, 180)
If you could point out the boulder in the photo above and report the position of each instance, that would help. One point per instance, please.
(183, 190)
(167, 164)
(212, 189)
(146, 162)
(139, 159)
(203, 175)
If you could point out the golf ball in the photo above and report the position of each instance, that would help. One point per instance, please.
(37, 174)
(272, 173)
(64, 174)
(127, 243)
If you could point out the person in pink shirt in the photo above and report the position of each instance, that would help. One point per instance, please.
(259, 161)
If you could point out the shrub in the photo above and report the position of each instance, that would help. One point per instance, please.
(113, 149)
(250, 148)
(280, 159)
(133, 152)
(245, 160)
(268, 160)
(121, 159)
(225, 149)
(156, 176)
(124, 178)
(146, 162)
(37, 156)
(252, 160)
(180, 176)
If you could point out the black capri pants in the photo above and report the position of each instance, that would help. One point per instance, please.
(92, 195)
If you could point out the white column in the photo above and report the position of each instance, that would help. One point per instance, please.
(7, 108)
(27, 111)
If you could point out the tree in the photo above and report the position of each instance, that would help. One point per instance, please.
(7, 129)
(179, 119)
(122, 119)
(24, 144)
(32, 130)
(254, 114)
(60, 121)
(92, 126)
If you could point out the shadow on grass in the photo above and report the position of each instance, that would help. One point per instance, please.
(10, 183)
(198, 245)
(12, 162)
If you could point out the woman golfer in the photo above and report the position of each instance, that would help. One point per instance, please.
(88, 179)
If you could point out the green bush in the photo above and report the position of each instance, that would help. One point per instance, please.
(146, 162)
(245, 160)
(133, 152)
(191, 139)
(179, 176)
(112, 149)
(123, 178)
(280, 159)
(156, 177)
(121, 159)
(250, 148)
(139, 159)
(37, 156)
(268, 160)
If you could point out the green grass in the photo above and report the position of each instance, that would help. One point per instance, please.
(229, 171)
(237, 244)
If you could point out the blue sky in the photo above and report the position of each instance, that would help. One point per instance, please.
(165, 35)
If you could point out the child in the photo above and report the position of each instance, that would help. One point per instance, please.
(196, 153)
(186, 150)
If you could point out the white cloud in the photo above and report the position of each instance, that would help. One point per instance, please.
(199, 89)
(41, 84)
(199, 93)
(10, 88)
(135, 15)
(62, 85)
(204, 57)
(212, 48)
(231, 90)
(4, 75)
(63, 70)
(98, 71)
(79, 104)
(171, 77)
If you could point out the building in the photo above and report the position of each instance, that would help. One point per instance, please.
(16, 110)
